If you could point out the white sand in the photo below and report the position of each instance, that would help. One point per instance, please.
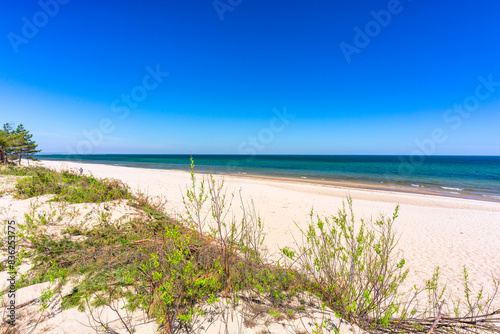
(435, 230)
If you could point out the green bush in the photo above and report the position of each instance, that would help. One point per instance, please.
(353, 267)
(66, 185)
(16, 170)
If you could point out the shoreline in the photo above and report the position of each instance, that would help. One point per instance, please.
(347, 185)
(366, 186)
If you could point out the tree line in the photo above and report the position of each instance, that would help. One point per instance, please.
(16, 144)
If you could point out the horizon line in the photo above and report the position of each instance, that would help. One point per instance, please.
(281, 154)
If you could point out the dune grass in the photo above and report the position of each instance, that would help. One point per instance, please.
(68, 186)
(169, 267)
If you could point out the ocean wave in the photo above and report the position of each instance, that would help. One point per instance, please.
(450, 188)
(415, 185)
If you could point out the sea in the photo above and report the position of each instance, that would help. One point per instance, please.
(464, 176)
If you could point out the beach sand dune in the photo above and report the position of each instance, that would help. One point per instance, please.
(435, 230)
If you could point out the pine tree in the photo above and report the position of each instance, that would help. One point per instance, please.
(18, 142)
(8, 141)
(30, 147)
(3, 145)
(24, 145)
(14, 144)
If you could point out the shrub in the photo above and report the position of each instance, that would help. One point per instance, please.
(352, 265)
(66, 185)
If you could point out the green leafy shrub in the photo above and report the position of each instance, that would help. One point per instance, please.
(353, 267)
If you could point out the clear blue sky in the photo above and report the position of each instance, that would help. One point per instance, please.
(66, 69)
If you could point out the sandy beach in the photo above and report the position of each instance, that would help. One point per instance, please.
(435, 230)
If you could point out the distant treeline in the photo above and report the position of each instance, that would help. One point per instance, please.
(16, 144)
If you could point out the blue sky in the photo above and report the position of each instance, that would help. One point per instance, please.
(304, 77)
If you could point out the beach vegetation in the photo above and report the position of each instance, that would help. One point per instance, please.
(67, 185)
(175, 269)
(353, 267)
(158, 264)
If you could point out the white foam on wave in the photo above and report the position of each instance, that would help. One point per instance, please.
(450, 188)
(303, 177)
(415, 185)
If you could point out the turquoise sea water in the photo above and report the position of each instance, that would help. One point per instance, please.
(457, 175)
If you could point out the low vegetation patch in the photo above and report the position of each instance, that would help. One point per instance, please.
(68, 186)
